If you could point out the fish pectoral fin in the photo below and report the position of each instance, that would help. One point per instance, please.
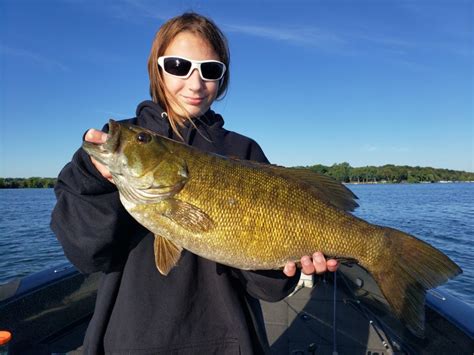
(167, 254)
(188, 216)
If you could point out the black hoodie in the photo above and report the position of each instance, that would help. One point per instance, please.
(201, 307)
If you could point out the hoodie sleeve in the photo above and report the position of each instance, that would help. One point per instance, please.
(88, 219)
(267, 285)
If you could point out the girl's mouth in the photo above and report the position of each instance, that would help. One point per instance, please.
(195, 101)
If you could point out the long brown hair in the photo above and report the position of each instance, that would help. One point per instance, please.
(198, 25)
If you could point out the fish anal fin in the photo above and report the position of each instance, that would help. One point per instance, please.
(167, 254)
(189, 216)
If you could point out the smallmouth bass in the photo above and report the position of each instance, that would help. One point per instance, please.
(257, 216)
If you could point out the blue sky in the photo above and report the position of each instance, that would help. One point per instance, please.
(366, 82)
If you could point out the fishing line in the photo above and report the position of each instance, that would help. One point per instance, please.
(376, 324)
(334, 336)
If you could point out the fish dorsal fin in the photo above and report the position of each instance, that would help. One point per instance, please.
(188, 216)
(167, 254)
(322, 186)
(326, 188)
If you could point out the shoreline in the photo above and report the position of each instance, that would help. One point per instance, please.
(406, 182)
(344, 183)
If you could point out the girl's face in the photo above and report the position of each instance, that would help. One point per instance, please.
(194, 94)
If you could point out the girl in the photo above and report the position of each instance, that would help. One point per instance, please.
(201, 306)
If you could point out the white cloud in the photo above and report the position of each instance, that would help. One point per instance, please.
(369, 148)
(297, 35)
(35, 57)
(399, 149)
(140, 10)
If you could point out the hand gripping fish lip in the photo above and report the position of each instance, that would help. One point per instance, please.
(110, 146)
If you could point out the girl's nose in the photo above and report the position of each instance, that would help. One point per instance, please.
(194, 81)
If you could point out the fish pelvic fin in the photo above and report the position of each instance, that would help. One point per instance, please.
(188, 216)
(167, 254)
(408, 269)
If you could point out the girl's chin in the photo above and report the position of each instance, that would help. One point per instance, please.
(191, 110)
(196, 111)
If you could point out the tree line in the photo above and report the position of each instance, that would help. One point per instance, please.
(31, 182)
(389, 173)
(342, 172)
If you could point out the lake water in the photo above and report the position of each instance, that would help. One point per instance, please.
(27, 244)
(441, 214)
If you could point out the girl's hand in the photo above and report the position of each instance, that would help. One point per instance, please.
(317, 264)
(98, 137)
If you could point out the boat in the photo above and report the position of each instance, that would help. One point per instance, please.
(338, 313)
(346, 313)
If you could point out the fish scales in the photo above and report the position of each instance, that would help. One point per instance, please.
(237, 197)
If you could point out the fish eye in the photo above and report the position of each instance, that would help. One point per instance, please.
(144, 137)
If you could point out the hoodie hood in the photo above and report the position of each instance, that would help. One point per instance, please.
(152, 115)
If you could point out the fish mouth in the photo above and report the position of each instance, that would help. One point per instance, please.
(104, 151)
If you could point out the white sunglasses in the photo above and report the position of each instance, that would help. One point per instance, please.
(180, 67)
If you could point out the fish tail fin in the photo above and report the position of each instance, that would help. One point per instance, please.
(411, 267)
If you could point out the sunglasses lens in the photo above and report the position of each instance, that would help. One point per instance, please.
(212, 70)
(177, 66)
